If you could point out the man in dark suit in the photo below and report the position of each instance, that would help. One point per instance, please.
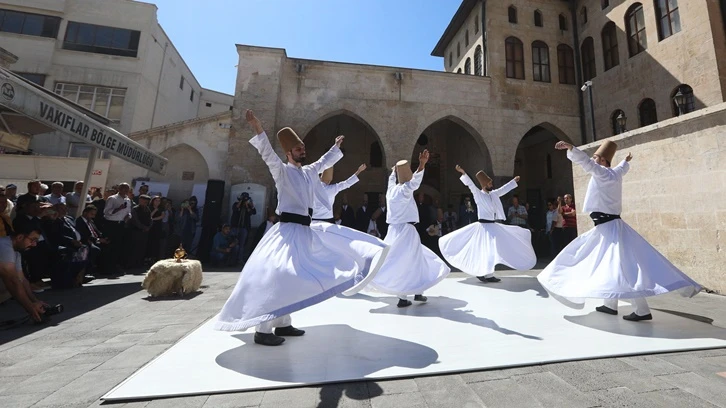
(66, 242)
(363, 215)
(92, 236)
(347, 215)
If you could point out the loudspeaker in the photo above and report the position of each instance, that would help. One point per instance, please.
(211, 218)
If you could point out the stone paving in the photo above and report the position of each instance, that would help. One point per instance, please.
(109, 330)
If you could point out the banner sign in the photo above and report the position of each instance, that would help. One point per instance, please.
(52, 112)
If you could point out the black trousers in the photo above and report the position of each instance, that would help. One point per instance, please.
(116, 234)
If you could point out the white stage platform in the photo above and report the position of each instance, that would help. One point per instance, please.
(465, 326)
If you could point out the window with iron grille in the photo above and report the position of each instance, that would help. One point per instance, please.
(478, 61)
(467, 66)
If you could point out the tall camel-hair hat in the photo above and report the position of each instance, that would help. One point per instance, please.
(403, 171)
(288, 139)
(607, 150)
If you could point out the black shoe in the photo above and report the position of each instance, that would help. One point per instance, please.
(605, 309)
(404, 303)
(491, 279)
(420, 298)
(288, 331)
(635, 318)
(268, 339)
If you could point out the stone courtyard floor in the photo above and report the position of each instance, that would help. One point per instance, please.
(109, 330)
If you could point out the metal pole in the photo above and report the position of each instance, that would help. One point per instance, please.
(592, 114)
(87, 181)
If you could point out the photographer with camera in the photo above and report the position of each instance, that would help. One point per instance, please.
(11, 272)
(242, 213)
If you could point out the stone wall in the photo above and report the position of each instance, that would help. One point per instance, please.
(675, 192)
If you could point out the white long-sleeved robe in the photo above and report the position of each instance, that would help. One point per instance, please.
(611, 260)
(478, 247)
(294, 266)
(325, 197)
(410, 267)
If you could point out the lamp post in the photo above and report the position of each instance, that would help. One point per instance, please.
(621, 119)
(588, 85)
(679, 99)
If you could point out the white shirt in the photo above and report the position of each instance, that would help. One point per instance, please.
(325, 197)
(73, 199)
(114, 202)
(55, 200)
(401, 205)
(488, 203)
(605, 189)
(295, 185)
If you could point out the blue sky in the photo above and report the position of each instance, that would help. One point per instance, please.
(398, 33)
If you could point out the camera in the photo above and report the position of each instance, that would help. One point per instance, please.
(52, 310)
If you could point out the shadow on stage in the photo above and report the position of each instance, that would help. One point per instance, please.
(511, 284)
(330, 353)
(662, 326)
(442, 307)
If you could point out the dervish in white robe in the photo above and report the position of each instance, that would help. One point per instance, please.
(480, 246)
(325, 193)
(296, 264)
(410, 268)
(611, 261)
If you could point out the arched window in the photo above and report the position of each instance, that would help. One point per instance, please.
(647, 112)
(458, 50)
(538, 18)
(478, 61)
(635, 27)
(451, 58)
(583, 15)
(614, 122)
(588, 59)
(458, 71)
(668, 18)
(610, 46)
(540, 62)
(512, 12)
(689, 102)
(566, 64)
(563, 22)
(514, 50)
(376, 156)
(467, 66)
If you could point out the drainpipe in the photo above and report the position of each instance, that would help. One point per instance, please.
(578, 69)
(484, 36)
(158, 84)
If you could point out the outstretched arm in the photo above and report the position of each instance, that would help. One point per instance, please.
(503, 190)
(329, 159)
(467, 181)
(577, 156)
(624, 166)
(413, 184)
(263, 146)
(351, 180)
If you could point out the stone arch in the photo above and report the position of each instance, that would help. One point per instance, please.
(186, 167)
(457, 117)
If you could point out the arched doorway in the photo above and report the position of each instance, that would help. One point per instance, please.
(361, 145)
(450, 141)
(186, 168)
(545, 172)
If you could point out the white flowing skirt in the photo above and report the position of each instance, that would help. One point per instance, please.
(612, 261)
(478, 247)
(295, 266)
(410, 268)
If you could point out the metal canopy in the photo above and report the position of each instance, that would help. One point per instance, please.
(28, 109)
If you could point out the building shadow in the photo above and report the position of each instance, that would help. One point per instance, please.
(75, 303)
(445, 308)
(326, 354)
(511, 284)
(656, 328)
(330, 395)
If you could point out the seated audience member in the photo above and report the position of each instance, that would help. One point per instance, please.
(225, 247)
(93, 238)
(38, 258)
(12, 282)
(72, 254)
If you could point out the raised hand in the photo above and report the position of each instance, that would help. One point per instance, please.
(360, 169)
(253, 121)
(339, 140)
(563, 145)
(629, 157)
(516, 179)
(460, 170)
(423, 157)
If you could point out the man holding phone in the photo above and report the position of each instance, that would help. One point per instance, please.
(117, 211)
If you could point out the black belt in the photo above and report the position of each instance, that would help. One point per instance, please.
(601, 218)
(330, 220)
(486, 221)
(297, 218)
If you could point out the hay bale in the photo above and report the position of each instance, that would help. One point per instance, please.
(168, 277)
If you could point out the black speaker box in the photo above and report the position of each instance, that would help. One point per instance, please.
(211, 218)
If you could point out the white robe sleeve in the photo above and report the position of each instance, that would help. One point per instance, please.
(503, 190)
(262, 144)
(346, 184)
(589, 165)
(327, 160)
(392, 179)
(622, 168)
(413, 184)
(469, 183)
